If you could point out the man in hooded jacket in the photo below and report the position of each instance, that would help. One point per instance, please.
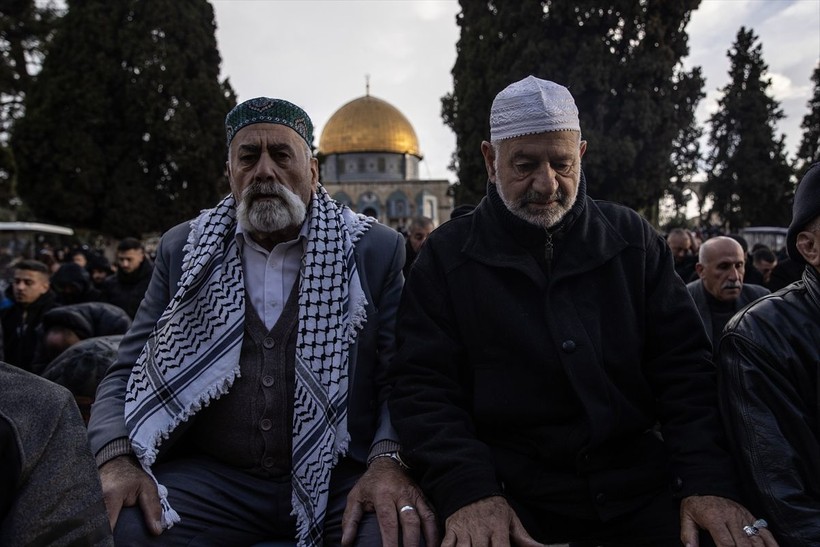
(768, 375)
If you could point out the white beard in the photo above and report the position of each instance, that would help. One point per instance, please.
(267, 207)
(544, 219)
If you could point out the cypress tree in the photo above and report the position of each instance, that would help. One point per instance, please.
(620, 60)
(809, 150)
(25, 30)
(748, 176)
(123, 131)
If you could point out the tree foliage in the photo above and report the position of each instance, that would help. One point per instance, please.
(809, 150)
(25, 31)
(123, 128)
(26, 28)
(748, 176)
(621, 61)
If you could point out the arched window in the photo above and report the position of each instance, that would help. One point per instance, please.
(369, 205)
(397, 205)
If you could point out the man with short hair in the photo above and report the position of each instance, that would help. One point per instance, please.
(680, 243)
(33, 297)
(127, 287)
(540, 343)
(417, 234)
(252, 385)
(719, 292)
(764, 261)
(768, 374)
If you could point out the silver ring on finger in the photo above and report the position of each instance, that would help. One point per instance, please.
(760, 523)
(407, 508)
(751, 530)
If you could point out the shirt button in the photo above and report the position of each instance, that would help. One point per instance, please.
(267, 461)
(265, 424)
(568, 346)
(268, 342)
(267, 381)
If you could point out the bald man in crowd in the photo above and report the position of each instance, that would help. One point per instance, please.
(720, 292)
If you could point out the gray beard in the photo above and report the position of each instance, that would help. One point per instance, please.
(544, 219)
(265, 216)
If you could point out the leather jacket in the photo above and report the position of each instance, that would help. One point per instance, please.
(768, 363)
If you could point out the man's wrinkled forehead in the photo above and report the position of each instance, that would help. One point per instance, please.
(269, 136)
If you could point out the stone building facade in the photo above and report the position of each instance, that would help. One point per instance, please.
(369, 159)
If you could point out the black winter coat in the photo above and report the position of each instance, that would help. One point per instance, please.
(127, 290)
(21, 341)
(545, 379)
(769, 364)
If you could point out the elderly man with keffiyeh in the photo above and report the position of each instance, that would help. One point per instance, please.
(247, 402)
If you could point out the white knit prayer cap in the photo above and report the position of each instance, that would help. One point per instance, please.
(532, 106)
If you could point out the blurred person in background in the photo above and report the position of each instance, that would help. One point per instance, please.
(33, 297)
(720, 292)
(417, 234)
(126, 288)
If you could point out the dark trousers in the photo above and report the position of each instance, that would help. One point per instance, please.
(221, 506)
(655, 523)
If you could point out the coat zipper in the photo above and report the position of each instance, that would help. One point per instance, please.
(548, 250)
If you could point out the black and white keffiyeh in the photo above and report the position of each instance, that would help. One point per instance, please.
(192, 355)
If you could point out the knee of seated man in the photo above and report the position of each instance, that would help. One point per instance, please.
(131, 529)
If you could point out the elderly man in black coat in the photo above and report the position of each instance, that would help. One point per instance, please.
(553, 380)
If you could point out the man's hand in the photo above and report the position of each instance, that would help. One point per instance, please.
(486, 522)
(723, 518)
(125, 484)
(385, 488)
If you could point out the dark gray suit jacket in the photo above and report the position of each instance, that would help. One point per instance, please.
(748, 294)
(49, 488)
(379, 258)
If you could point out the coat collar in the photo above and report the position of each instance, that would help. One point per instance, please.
(584, 240)
(811, 279)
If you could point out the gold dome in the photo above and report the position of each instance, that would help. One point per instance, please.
(368, 124)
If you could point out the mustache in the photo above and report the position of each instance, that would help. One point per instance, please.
(533, 196)
(263, 189)
(732, 285)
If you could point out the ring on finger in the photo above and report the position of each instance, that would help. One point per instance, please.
(407, 508)
(751, 530)
(760, 523)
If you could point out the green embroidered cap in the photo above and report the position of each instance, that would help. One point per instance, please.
(266, 110)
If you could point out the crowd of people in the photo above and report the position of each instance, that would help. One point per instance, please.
(542, 368)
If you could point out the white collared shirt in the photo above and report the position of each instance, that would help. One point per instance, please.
(270, 275)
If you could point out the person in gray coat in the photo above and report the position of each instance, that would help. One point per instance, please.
(719, 293)
(49, 489)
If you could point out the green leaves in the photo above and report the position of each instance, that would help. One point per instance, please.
(620, 60)
(124, 126)
(748, 176)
